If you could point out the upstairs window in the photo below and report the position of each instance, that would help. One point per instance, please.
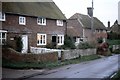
(59, 22)
(104, 31)
(22, 20)
(41, 21)
(2, 16)
(41, 39)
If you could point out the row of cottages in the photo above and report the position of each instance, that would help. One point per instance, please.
(79, 27)
(42, 24)
(38, 24)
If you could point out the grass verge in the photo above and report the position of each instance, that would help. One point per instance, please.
(117, 76)
(49, 65)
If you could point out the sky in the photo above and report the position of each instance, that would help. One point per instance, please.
(104, 10)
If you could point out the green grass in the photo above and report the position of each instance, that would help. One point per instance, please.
(49, 65)
(117, 76)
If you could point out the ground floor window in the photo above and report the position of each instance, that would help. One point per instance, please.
(2, 38)
(41, 39)
(60, 39)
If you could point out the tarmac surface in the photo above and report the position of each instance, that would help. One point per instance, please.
(100, 68)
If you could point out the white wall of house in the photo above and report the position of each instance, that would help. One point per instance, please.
(119, 12)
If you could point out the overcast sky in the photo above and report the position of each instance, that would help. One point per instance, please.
(104, 10)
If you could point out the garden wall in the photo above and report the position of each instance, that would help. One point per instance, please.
(71, 54)
(11, 54)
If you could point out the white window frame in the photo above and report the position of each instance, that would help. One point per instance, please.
(104, 31)
(1, 38)
(22, 20)
(60, 39)
(59, 22)
(42, 40)
(41, 21)
(2, 16)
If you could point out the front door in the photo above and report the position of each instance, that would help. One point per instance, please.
(54, 41)
(25, 43)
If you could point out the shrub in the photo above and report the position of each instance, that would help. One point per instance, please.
(117, 51)
(68, 43)
(85, 46)
(100, 40)
(113, 35)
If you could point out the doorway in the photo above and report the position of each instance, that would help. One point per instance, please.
(25, 43)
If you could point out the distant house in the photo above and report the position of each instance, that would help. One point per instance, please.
(115, 28)
(79, 26)
(38, 24)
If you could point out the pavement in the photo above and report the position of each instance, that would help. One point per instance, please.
(99, 68)
(19, 74)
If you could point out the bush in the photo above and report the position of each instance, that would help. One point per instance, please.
(113, 35)
(100, 40)
(117, 51)
(113, 42)
(68, 43)
(85, 46)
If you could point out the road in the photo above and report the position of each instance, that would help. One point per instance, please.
(100, 68)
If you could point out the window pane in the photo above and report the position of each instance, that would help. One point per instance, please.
(41, 20)
(0, 41)
(3, 16)
(61, 39)
(3, 35)
(58, 39)
(0, 35)
(3, 41)
(44, 41)
(38, 41)
(0, 15)
(38, 20)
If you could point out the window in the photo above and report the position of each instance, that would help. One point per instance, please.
(2, 38)
(41, 21)
(60, 40)
(59, 22)
(104, 31)
(22, 20)
(2, 16)
(41, 39)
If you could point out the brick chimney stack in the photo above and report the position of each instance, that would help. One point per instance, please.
(109, 24)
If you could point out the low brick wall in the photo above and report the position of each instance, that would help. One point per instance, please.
(71, 54)
(11, 54)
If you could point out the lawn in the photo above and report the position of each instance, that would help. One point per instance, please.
(48, 65)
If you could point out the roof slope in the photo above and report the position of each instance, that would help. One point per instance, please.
(115, 28)
(74, 28)
(86, 21)
(42, 9)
